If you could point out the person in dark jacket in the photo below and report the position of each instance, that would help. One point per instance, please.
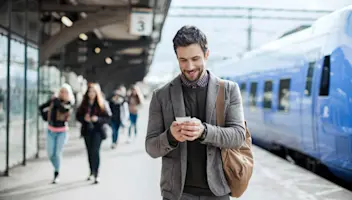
(120, 113)
(59, 107)
(93, 113)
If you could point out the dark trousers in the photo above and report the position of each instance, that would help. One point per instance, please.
(115, 131)
(93, 142)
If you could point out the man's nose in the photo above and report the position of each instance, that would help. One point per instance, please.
(190, 65)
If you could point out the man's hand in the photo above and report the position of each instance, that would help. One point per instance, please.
(191, 130)
(175, 130)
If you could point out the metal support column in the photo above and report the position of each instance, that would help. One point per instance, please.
(25, 84)
(62, 59)
(40, 39)
(9, 14)
(249, 39)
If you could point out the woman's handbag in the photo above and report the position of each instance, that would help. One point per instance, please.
(106, 130)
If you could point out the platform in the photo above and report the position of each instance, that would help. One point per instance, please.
(128, 173)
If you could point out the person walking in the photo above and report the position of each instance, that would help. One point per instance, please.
(57, 113)
(93, 113)
(192, 166)
(135, 99)
(120, 113)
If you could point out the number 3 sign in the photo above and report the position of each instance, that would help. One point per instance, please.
(141, 21)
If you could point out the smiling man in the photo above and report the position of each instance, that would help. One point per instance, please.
(191, 150)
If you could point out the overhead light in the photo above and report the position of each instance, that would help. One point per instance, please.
(108, 60)
(83, 15)
(57, 16)
(83, 36)
(65, 20)
(97, 50)
(98, 33)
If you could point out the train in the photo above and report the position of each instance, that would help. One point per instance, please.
(297, 93)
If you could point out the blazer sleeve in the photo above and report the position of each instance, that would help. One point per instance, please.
(234, 132)
(157, 140)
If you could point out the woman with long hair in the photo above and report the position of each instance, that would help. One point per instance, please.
(93, 113)
(135, 99)
(57, 115)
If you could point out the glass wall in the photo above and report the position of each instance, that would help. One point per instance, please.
(32, 89)
(16, 103)
(3, 107)
(17, 92)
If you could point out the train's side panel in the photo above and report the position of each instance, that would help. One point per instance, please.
(316, 119)
(335, 108)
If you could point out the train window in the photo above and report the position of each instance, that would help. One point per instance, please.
(268, 93)
(284, 94)
(243, 91)
(253, 94)
(325, 77)
(308, 89)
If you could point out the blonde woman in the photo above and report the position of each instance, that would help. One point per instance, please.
(59, 107)
(135, 100)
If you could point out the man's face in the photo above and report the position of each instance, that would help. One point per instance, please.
(192, 61)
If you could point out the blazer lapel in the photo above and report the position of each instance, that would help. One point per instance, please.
(176, 94)
(213, 89)
(178, 106)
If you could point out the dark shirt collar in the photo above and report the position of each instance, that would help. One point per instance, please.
(202, 82)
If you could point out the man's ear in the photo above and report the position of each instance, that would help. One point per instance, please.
(206, 55)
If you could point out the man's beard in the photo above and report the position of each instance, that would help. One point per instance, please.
(201, 72)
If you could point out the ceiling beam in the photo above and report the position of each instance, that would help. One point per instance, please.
(66, 35)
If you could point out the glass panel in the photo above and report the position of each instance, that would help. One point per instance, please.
(16, 96)
(32, 113)
(243, 92)
(268, 94)
(309, 79)
(3, 106)
(284, 95)
(253, 94)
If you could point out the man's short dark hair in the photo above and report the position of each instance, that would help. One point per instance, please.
(188, 35)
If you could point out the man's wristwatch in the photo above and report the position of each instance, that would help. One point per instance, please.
(204, 134)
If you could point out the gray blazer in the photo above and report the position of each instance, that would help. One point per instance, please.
(166, 104)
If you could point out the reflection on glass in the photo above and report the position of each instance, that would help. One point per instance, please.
(253, 94)
(309, 80)
(17, 104)
(3, 106)
(243, 92)
(268, 94)
(32, 114)
(284, 95)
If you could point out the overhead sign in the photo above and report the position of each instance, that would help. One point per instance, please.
(141, 21)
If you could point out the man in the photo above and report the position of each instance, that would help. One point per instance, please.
(120, 113)
(190, 151)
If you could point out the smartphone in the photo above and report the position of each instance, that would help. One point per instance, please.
(183, 119)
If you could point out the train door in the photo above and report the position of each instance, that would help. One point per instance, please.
(309, 98)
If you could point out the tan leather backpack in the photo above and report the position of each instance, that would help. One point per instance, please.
(237, 163)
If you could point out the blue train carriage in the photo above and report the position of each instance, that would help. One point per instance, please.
(297, 92)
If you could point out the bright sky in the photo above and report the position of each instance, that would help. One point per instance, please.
(228, 37)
